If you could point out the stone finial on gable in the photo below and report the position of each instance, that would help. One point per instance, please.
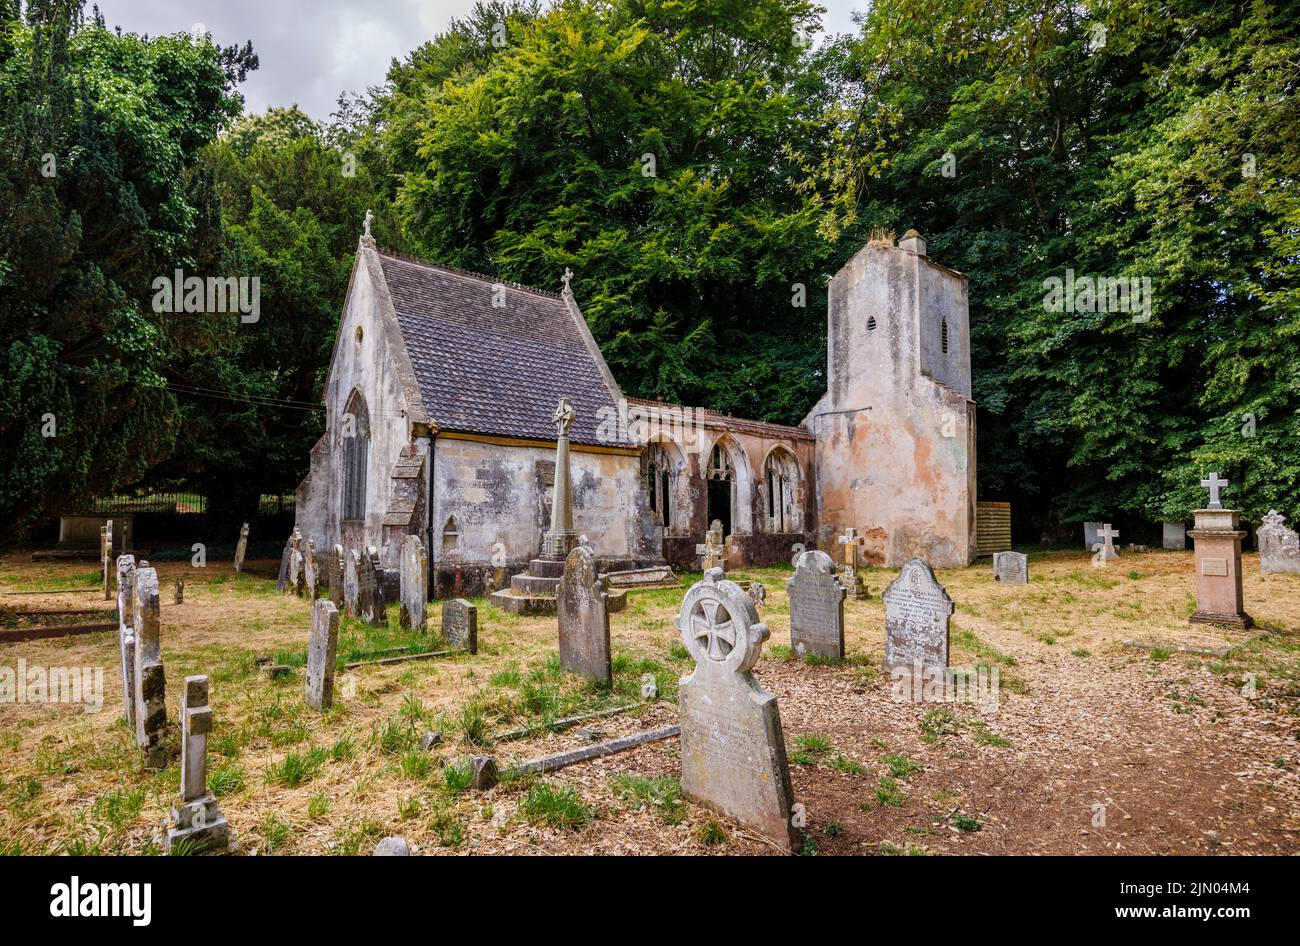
(366, 238)
(566, 279)
(913, 242)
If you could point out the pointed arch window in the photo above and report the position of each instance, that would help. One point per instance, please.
(781, 475)
(354, 432)
(661, 478)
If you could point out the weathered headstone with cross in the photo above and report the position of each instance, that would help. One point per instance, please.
(733, 747)
(1217, 559)
(334, 575)
(150, 682)
(1105, 547)
(849, 577)
(370, 590)
(197, 824)
(582, 607)
(1279, 547)
(816, 607)
(714, 548)
(322, 654)
(241, 548)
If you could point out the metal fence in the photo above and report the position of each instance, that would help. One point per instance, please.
(181, 503)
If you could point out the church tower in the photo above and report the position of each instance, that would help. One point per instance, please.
(895, 430)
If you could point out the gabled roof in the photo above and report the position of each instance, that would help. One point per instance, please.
(495, 370)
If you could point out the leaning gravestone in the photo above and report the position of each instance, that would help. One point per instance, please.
(150, 685)
(334, 575)
(414, 584)
(241, 549)
(460, 624)
(733, 747)
(197, 824)
(352, 583)
(583, 617)
(1011, 568)
(106, 557)
(370, 592)
(816, 607)
(322, 654)
(916, 619)
(309, 580)
(282, 583)
(126, 633)
(1279, 547)
(1090, 530)
(1173, 535)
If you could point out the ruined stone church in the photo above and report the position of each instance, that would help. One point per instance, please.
(443, 384)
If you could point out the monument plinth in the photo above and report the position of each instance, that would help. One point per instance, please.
(1217, 539)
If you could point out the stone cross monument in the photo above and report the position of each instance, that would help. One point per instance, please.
(849, 577)
(196, 823)
(714, 548)
(1218, 562)
(560, 538)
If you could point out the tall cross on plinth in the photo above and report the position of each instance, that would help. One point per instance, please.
(560, 538)
(849, 569)
(1214, 484)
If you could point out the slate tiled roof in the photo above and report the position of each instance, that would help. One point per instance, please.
(488, 370)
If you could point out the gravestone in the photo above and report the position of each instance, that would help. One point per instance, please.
(334, 575)
(1217, 560)
(352, 583)
(126, 634)
(816, 607)
(322, 655)
(916, 619)
(1011, 568)
(285, 583)
(197, 824)
(106, 557)
(460, 624)
(733, 747)
(1090, 530)
(583, 618)
(309, 580)
(1279, 547)
(714, 549)
(241, 548)
(296, 564)
(1104, 547)
(1174, 535)
(150, 684)
(370, 590)
(849, 577)
(414, 583)
(178, 595)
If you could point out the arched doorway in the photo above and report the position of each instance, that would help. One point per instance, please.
(354, 441)
(721, 478)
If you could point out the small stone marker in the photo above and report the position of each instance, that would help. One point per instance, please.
(460, 624)
(849, 577)
(106, 557)
(583, 612)
(414, 584)
(816, 607)
(310, 581)
(150, 682)
(197, 820)
(1011, 568)
(1217, 558)
(392, 847)
(370, 593)
(352, 583)
(916, 619)
(282, 582)
(334, 575)
(1106, 539)
(1279, 547)
(714, 549)
(1174, 535)
(178, 596)
(733, 747)
(126, 633)
(322, 655)
(241, 548)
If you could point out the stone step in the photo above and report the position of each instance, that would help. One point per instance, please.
(526, 584)
(508, 600)
(546, 568)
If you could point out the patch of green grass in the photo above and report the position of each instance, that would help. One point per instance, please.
(834, 829)
(1081, 652)
(984, 736)
(296, 768)
(710, 832)
(901, 767)
(318, 806)
(813, 743)
(226, 779)
(936, 724)
(842, 763)
(506, 677)
(809, 847)
(899, 850)
(550, 804)
(392, 738)
(458, 776)
(664, 794)
(965, 822)
(889, 794)
(1159, 654)
(416, 764)
(474, 725)
(275, 833)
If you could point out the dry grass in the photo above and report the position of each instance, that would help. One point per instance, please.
(298, 782)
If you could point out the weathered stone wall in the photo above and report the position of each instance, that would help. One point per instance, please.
(499, 496)
(896, 429)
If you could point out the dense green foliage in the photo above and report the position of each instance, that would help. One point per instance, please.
(694, 162)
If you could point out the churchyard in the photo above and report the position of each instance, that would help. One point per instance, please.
(1094, 745)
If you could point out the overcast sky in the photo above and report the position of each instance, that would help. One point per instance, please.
(311, 50)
